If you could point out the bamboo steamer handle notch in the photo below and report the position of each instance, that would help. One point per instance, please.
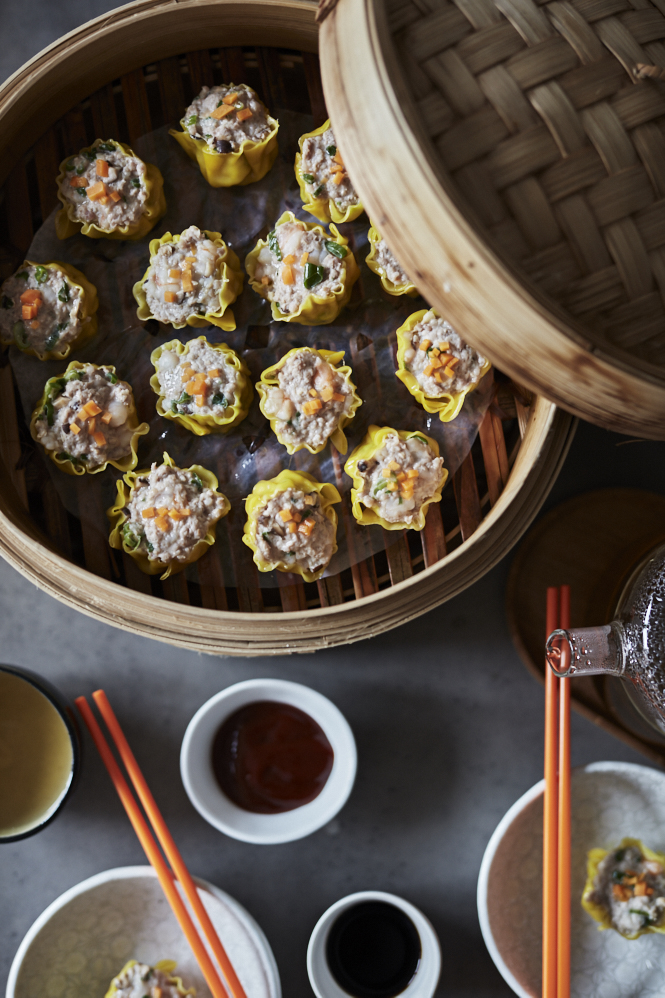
(641, 71)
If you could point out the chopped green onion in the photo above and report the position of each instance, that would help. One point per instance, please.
(111, 376)
(238, 105)
(273, 243)
(147, 975)
(74, 375)
(24, 275)
(174, 407)
(422, 439)
(19, 334)
(63, 293)
(80, 170)
(331, 150)
(129, 537)
(314, 274)
(319, 191)
(64, 456)
(47, 412)
(41, 273)
(219, 104)
(617, 876)
(82, 191)
(56, 387)
(619, 854)
(192, 119)
(196, 482)
(149, 546)
(381, 484)
(265, 534)
(7, 302)
(219, 399)
(184, 399)
(308, 178)
(107, 146)
(90, 154)
(69, 166)
(136, 182)
(335, 248)
(52, 338)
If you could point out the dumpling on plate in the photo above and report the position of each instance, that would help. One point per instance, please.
(325, 186)
(625, 889)
(140, 980)
(381, 261)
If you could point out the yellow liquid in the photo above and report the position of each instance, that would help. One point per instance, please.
(36, 756)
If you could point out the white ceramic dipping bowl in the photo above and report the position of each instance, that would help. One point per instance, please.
(81, 942)
(266, 829)
(426, 978)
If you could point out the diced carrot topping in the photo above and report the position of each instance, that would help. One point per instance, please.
(214, 373)
(96, 191)
(337, 397)
(221, 111)
(449, 372)
(200, 400)
(175, 273)
(429, 370)
(78, 182)
(244, 114)
(640, 890)
(163, 522)
(102, 168)
(289, 259)
(412, 473)
(170, 296)
(99, 438)
(28, 311)
(305, 528)
(175, 514)
(401, 476)
(452, 361)
(287, 275)
(92, 423)
(293, 526)
(297, 517)
(338, 157)
(285, 515)
(31, 296)
(338, 178)
(186, 511)
(444, 346)
(437, 362)
(386, 471)
(425, 345)
(394, 466)
(148, 513)
(190, 259)
(91, 408)
(187, 284)
(114, 195)
(104, 199)
(230, 98)
(434, 352)
(326, 393)
(392, 486)
(310, 501)
(265, 279)
(310, 522)
(107, 417)
(73, 428)
(309, 408)
(303, 259)
(313, 393)
(163, 511)
(34, 324)
(437, 377)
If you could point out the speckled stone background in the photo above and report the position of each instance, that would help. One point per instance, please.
(448, 724)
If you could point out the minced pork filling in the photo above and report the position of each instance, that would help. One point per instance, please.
(298, 262)
(292, 528)
(40, 309)
(85, 417)
(441, 361)
(183, 279)
(106, 187)
(309, 400)
(631, 888)
(400, 478)
(169, 510)
(143, 981)
(226, 117)
(385, 259)
(200, 382)
(324, 172)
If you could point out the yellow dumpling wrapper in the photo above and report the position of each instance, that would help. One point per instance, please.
(66, 223)
(315, 310)
(229, 273)
(447, 405)
(117, 518)
(230, 169)
(601, 914)
(65, 463)
(324, 209)
(166, 966)
(374, 440)
(269, 378)
(210, 423)
(264, 491)
(88, 308)
(409, 288)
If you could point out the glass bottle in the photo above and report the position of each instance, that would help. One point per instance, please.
(632, 646)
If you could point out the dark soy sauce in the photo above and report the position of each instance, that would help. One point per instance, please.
(373, 950)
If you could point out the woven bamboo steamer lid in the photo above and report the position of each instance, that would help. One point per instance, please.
(521, 181)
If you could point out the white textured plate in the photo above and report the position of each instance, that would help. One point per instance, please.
(609, 800)
(85, 937)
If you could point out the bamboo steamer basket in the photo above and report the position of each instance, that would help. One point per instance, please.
(123, 75)
(522, 180)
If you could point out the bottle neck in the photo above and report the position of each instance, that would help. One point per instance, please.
(587, 651)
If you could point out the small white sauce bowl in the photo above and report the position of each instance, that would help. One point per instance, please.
(424, 981)
(266, 829)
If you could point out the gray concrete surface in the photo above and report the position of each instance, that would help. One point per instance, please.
(447, 720)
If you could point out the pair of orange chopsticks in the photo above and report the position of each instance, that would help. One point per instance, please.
(556, 814)
(165, 875)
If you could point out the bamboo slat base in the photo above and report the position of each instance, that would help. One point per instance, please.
(494, 495)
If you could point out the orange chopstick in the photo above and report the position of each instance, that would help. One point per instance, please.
(550, 813)
(152, 852)
(166, 841)
(563, 865)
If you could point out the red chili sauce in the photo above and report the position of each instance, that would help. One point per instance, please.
(271, 757)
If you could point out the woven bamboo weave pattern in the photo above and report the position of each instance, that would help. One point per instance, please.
(556, 146)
